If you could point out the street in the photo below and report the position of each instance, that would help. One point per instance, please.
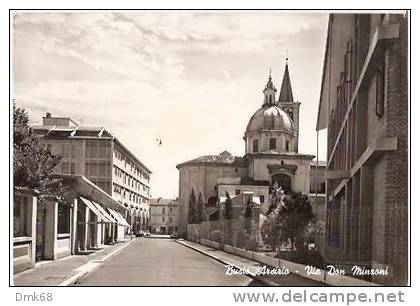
(162, 262)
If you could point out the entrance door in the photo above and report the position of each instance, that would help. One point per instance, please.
(282, 180)
(40, 231)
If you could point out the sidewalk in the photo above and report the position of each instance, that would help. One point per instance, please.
(252, 266)
(67, 270)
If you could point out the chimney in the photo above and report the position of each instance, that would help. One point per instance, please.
(48, 115)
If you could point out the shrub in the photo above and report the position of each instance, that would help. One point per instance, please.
(252, 244)
(241, 239)
(216, 235)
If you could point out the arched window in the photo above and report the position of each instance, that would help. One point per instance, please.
(272, 143)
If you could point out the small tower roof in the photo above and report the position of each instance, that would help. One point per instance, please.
(286, 94)
(270, 84)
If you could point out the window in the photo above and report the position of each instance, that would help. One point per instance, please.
(163, 218)
(73, 150)
(170, 219)
(237, 191)
(63, 219)
(19, 216)
(73, 168)
(163, 210)
(261, 199)
(65, 167)
(272, 143)
(255, 146)
(65, 150)
(289, 111)
(287, 145)
(380, 90)
(336, 222)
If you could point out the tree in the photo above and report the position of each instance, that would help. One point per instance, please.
(201, 208)
(248, 216)
(287, 219)
(192, 208)
(293, 217)
(33, 164)
(228, 217)
(270, 227)
(228, 207)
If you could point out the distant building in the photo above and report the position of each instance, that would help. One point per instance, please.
(364, 106)
(271, 156)
(164, 216)
(99, 156)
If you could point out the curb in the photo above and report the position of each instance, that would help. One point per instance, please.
(90, 266)
(251, 275)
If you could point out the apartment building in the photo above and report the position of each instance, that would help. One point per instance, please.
(164, 216)
(97, 154)
(364, 106)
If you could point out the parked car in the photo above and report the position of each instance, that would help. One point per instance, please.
(174, 235)
(147, 235)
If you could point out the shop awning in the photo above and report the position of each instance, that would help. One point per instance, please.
(95, 210)
(117, 216)
(103, 212)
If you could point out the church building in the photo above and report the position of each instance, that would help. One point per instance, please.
(271, 155)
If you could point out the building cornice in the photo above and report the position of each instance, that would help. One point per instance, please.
(290, 155)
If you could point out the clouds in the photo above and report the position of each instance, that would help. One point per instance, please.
(193, 79)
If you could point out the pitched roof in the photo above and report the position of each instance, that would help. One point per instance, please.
(162, 201)
(286, 94)
(217, 160)
(321, 163)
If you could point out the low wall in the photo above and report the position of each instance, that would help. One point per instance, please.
(24, 231)
(63, 245)
(333, 280)
(212, 244)
(22, 254)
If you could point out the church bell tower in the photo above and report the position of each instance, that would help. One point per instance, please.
(288, 104)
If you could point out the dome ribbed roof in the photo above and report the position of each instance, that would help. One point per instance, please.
(269, 117)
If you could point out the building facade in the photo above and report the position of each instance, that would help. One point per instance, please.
(364, 106)
(99, 156)
(271, 156)
(164, 216)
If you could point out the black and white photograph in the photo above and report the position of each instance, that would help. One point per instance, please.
(213, 148)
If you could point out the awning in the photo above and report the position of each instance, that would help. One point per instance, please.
(103, 212)
(117, 216)
(95, 210)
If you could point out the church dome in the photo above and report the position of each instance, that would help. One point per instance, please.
(269, 117)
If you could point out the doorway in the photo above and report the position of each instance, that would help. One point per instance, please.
(41, 214)
(282, 180)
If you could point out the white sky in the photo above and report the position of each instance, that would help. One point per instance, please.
(192, 79)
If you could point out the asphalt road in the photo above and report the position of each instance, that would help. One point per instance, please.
(162, 262)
